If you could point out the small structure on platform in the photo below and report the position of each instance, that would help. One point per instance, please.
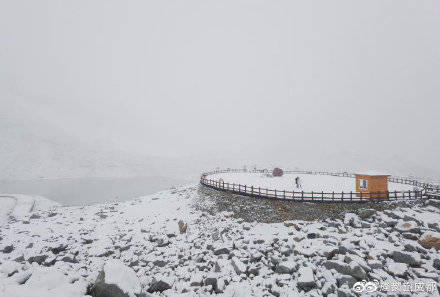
(277, 172)
(373, 184)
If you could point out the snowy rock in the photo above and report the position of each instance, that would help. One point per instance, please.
(286, 267)
(163, 241)
(397, 269)
(407, 258)
(420, 272)
(345, 291)
(159, 286)
(212, 281)
(43, 282)
(434, 226)
(221, 251)
(352, 269)
(366, 213)
(306, 280)
(374, 264)
(410, 236)
(351, 219)
(160, 263)
(407, 226)
(58, 249)
(430, 240)
(313, 235)
(196, 280)
(69, 259)
(9, 267)
(116, 280)
(7, 249)
(37, 259)
(239, 267)
(345, 279)
(436, 264)
(246, 226)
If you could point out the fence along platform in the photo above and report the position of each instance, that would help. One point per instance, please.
(322, 196)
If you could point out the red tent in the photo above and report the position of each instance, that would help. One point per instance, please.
(277, 172)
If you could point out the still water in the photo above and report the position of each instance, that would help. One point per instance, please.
(83, 191)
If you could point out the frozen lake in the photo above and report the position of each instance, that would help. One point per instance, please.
(308, 182)
(82, 191)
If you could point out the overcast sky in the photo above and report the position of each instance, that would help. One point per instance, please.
(228, 78)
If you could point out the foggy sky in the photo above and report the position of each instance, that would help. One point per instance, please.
(245, 79)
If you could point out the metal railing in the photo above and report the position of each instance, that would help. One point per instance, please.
(317, 196)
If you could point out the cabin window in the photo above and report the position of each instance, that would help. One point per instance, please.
(363, 184)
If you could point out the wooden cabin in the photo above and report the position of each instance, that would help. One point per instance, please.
(372, 182)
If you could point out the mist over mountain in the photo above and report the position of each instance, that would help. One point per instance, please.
(31, 148)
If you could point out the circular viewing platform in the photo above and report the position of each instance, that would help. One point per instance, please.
(311, 186)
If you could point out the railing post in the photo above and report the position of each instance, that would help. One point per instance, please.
(252, 190)
(302, 195)
(333, 196)
(342, 196)
(275, 193)
(284, 194)
(351, 195)
(312, 195)
(259, 191)
(245, 190)
(388, 195)
(395, 194)
(361, 197)
(322, 197)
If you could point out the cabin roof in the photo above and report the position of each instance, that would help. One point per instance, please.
(373, 173)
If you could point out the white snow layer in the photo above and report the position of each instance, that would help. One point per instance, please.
(122, 276)
(48, 250)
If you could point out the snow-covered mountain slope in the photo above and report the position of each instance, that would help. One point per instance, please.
(34, 149)
(168, 245)
(18, 207)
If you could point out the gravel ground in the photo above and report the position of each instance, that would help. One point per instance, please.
(273, 211)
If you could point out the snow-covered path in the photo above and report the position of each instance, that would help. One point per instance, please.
(138, 246)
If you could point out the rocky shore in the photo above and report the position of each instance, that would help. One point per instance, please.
(193, 241)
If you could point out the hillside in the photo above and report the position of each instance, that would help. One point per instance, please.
(139, 248)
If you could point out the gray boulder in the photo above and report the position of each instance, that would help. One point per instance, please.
(158, 286)
(124, 274)
(221, 251)
(238, 266)
(436, 264)
(402, 257)
(366, 213)
(353, 269)
(346, 279)
(37, 259)
(286, 267)
(212, 281)
(101, 289)
(7, 249)
(306, 280)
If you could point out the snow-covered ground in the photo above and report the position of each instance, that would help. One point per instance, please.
(136, 248)
(17, 206)
(308, 182)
